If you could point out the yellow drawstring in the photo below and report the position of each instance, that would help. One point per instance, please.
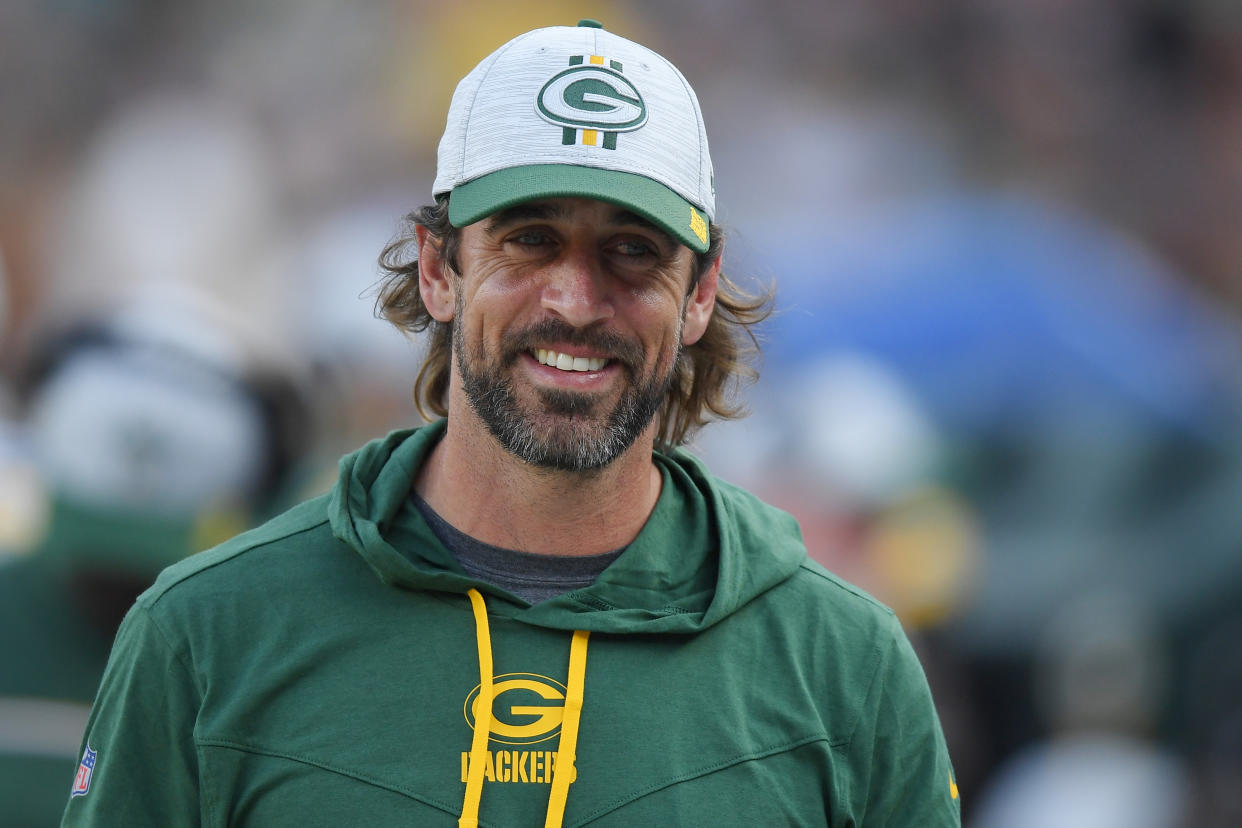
(482, 716)
(565, 772)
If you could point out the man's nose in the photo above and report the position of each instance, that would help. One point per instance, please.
(576, 288)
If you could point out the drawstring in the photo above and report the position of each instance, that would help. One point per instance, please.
(566, 752)
(565, 771)
(482, 716)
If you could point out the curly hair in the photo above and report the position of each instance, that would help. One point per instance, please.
(705, 379)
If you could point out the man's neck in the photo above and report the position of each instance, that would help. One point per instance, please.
(492, 496)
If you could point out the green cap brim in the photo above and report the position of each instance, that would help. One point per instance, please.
(488, 194)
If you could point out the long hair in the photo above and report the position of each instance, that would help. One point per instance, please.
(706, 377)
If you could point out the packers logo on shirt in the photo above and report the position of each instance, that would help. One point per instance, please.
(526, 708)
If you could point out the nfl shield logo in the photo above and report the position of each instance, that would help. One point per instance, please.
(82, 782)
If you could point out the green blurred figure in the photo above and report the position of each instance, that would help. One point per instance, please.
(154, 438)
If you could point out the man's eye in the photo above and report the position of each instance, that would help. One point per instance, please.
(529, 238)
(636, 248)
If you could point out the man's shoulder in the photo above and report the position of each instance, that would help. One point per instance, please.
(242, 560)
(741, 511)
(822, 580)
(829, 604)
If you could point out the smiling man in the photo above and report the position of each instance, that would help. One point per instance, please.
(537, 609)
(603, 300)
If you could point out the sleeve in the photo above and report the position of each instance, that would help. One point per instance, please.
(139, 766)
(899, 749)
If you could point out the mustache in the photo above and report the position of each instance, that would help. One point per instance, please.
(615, 346)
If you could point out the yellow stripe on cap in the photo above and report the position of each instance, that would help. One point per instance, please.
(698, 225)
(590, 137)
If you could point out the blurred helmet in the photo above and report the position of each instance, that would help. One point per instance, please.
(156, 437)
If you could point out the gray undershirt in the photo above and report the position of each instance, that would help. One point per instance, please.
(531, 577)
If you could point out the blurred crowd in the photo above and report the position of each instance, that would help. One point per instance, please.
(1002, 390)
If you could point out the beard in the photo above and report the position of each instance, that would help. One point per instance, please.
(564, 430)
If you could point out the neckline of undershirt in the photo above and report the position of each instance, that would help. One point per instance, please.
(530, 576)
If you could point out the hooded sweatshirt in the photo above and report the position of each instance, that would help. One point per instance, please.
(337, 667)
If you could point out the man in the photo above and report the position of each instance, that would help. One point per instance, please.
(525, 613)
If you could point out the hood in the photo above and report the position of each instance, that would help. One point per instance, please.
(707, 549)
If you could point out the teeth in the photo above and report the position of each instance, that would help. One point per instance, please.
(565, 362)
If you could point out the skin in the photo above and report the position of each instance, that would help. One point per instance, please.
(597, 270)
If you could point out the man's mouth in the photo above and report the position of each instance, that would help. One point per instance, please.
(565, 362)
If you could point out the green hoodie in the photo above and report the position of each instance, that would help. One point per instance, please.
(324, 669)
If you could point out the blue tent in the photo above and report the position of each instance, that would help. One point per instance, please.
(1001, 312)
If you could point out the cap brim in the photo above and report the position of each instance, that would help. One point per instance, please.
(488, 194)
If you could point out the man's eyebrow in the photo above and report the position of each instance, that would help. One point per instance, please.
(529, 211)
(626, 217)
(548, 211)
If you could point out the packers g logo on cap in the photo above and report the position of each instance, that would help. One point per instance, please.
(589, 100)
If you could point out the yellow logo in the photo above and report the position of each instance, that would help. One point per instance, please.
(526, 708)
(519, 766)
(698, 225)
(952, 786)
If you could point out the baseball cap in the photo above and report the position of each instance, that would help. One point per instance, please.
(578, 111)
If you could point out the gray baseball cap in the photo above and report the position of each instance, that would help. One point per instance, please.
(578, 111)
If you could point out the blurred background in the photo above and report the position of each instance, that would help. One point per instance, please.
(1002, 391)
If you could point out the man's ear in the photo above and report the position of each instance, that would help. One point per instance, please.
(435, 281)
(699, 305)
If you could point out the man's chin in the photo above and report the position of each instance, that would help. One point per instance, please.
(559, 443)
(562, 429)
(572, 404)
